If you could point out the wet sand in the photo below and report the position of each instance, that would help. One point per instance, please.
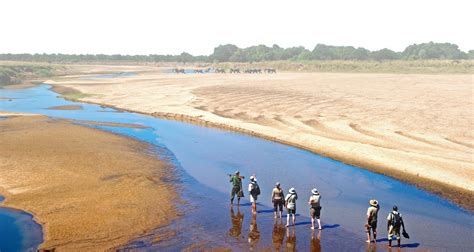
(91, 190)
(417, 128)
(110, 124)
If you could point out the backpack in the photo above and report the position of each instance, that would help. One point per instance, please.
(255, 189)
(396, 219)
(291, 203)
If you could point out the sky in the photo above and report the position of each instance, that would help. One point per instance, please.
(171, 27)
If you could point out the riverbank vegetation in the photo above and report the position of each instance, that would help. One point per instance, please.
(425, 58)
(260, 53)
(15, 73)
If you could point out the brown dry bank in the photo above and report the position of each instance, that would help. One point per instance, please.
(91, 190)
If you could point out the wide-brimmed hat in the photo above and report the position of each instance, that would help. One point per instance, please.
(292, 190)
(373, 202)
(315, 191)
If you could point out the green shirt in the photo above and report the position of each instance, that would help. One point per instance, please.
(235, 180)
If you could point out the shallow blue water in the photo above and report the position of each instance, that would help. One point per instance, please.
(204, 156)
(18, 231)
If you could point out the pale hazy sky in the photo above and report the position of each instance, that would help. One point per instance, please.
(171, 27)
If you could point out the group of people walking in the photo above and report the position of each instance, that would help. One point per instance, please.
(280, 201)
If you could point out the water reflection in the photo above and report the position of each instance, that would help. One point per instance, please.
(278, 234)
(371, 248)
(236, 220)
(315, 241)
(291, 239)
(254, 233)
(205, 155)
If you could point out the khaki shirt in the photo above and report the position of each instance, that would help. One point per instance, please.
(372, 213)
(277, 194)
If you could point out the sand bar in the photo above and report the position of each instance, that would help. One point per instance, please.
(414, 127)
(91, 190)
(66, 107)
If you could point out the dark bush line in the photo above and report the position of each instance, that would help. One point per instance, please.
(232, 53)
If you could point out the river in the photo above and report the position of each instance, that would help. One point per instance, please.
(204, 156)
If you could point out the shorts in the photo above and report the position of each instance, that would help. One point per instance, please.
(253, 198)
(372, 225)
(291, 211)
(278, 205)
(315, 212)
(235, 191)
(393, 231)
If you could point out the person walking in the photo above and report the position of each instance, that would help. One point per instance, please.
(372, 213)
(254, 191)
(236, 181)
(315, 207)
(394, 222)
(290, 201)
(277, 200)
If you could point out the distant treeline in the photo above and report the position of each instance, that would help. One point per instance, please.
(232, 53)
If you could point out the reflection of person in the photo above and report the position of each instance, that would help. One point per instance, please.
(371, 248)
(290, 201)
(254, 191)
(236, 181)
(236, 220)
(278, 234)
(277, 199)
(254, 234)
(394, 222)
(315, 207)
(372, 213)
(315, 241)
(290, 240)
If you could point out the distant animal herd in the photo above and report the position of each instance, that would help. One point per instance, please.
(223, 70)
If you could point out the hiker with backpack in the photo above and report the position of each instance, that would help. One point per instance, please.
(254, 191)
(315, 207)
(371, 224)
(290, 203)
(277, 199)
(394, 222)
(236, 181)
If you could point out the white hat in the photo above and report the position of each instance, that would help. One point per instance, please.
(253, 178)
(292, 190)
(374, 202)
(315, 191)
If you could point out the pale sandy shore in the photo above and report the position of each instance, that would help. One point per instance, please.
(418, 128)
(91, 190)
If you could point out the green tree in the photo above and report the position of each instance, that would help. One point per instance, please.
(470, 54)
(223, 53)
(433, 50)
(384, 54)
(185, 57)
